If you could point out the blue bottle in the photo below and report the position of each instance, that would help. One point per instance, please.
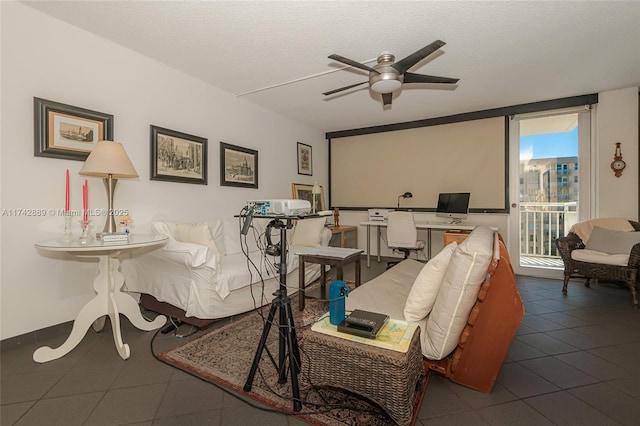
(338, 290)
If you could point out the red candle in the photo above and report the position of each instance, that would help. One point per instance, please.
(85, 201)
(66, 195)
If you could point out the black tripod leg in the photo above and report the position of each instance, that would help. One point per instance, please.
(292, 344)
(263, 341)
(296, 348)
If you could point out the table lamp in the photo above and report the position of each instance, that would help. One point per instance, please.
(405, 195)
(110, 161)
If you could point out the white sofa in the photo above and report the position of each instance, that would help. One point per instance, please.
(204, 272)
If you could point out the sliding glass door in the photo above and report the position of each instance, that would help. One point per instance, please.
(549, 186)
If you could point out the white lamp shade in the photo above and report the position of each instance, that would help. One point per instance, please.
(109, 158)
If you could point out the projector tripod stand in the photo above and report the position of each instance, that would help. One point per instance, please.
(287, 339)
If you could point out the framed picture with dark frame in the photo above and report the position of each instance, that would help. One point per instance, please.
(305, 159)
(68, 132)
(178, 157)
(238, 166)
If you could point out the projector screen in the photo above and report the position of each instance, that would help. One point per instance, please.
(372, 170)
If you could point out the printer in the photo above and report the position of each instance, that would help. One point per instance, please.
(379, 214)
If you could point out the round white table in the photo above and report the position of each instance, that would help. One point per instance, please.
(110, 299)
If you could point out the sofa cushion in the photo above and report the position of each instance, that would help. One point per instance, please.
(462, 280)
(197, 233)
(612, 242)
(308, 232)
(426, 285)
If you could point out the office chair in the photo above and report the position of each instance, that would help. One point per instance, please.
(402, 234)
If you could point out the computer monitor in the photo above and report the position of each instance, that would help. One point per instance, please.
(454, 206)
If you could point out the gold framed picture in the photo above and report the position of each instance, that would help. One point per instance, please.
(301, 191)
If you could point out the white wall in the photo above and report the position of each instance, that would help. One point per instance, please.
(47, 58)
(617, 121)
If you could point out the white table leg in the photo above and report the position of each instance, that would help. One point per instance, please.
(96, 308)
(109, 300)
(368, 246)
(83, 321)
(379, 233)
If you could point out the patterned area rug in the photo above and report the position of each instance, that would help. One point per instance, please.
(224, 356)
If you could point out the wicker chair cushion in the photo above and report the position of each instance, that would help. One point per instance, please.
(466, 272)
(592, 256)
(427, 284)
(612, 242)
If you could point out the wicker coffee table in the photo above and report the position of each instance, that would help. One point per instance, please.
(388, 378)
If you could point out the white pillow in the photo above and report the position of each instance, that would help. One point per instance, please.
(612, 242)
(308, 232)
(198, 233)
(458, 293)
(425, 288)
(166, 228)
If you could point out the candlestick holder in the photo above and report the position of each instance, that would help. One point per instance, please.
(85, 236)
(67, 238)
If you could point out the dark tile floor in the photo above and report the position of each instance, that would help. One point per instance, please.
(575, 361)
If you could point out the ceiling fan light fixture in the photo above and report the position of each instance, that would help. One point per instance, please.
(385, 86)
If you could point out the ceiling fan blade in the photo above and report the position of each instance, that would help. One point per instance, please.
(352, 63)
(386, 98)
(414, 58)
(423, 78)
(331, 92)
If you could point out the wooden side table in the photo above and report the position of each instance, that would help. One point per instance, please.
(334, 256)
(341, 231)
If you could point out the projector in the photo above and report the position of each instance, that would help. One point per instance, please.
(279, 207)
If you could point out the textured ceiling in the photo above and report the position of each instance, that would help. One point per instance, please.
(505, 53)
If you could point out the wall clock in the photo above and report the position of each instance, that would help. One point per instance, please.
(617, 165)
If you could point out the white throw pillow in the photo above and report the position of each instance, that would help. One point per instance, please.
(458, 293)
(308, 232)
(425, 288)
(198, 233)
(166, 228)
(612, 242)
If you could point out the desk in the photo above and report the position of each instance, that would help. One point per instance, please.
(109, 300)
(334, 256)
(419, 225)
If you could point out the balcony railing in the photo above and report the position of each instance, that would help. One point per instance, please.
(540, 225)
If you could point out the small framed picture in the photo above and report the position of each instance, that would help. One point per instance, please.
(305, 160)
(178, 157)
(238, 166)
(301, 191)
(68, 132)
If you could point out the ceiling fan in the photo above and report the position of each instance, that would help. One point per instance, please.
(387, 76)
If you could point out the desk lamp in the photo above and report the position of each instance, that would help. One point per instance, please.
(110, 161)
(405, 195)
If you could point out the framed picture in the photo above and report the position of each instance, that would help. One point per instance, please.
(68, 132)
(178, 157)
(305, 160)
(301, 191)
(238, 166)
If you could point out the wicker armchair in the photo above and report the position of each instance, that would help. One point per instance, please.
(628, 274)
